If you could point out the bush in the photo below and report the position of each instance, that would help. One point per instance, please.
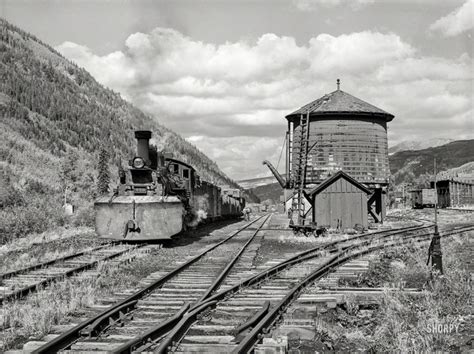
(36, 215)
(11, 197)
(84, 216)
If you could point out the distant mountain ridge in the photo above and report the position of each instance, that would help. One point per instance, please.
(409, 145)
(461, 173)
(259, 181)
(417, 166)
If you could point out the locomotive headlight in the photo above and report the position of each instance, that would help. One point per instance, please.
(138, 162)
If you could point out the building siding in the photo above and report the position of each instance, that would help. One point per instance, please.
(340, 206)
(454, 193)
(355, 145)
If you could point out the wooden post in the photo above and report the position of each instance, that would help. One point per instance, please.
(436, 198)
(287, 170)
(436, 253)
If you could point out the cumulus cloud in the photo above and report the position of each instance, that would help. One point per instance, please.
(230, 99)
(113, 69)
(350, 53)
(243, 156)
(456, 22)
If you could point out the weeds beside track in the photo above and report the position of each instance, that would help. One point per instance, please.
(93, 327)
(220, 331)
(19, 283)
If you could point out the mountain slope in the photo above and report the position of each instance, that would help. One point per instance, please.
(271, 191)
(417, 166)
(53, 113)
(57, 105)
(418, 144)
(464, 172)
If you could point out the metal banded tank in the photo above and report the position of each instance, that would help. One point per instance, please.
(345, 133)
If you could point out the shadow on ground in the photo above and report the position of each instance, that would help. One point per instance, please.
(193, 235)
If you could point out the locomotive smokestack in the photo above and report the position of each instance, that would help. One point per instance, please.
(143, 137)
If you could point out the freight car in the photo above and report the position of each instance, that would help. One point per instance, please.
(422, 198)
(158, 197)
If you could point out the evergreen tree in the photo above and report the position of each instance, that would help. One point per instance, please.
(103, 178)
(68, 174)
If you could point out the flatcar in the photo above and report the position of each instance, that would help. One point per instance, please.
(157, 197)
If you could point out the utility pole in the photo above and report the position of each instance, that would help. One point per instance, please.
(436, 198)
(435, 246)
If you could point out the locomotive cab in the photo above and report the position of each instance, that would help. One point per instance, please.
(184, 176)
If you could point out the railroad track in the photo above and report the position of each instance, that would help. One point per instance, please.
(223, 322)
(462, 210)
(19, 283)
(172, 312)
(151, 339)
(274, 317)
(191, 282)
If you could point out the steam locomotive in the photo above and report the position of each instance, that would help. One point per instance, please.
(158, 197)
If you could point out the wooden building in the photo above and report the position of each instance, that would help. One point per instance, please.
(454, 193)
(340, 202)
(344, 133)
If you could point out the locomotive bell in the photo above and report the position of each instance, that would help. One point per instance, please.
(143, 137)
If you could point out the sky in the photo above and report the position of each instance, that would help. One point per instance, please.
(224, 73)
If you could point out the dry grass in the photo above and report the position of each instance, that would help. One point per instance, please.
(59, 303)
(60, 233)
(402, 322)
(65, 301)
(447, 299)
(445, 216)
(30, 250)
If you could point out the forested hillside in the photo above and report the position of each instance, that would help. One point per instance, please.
(54, 120)
(271, 191)
(416, 166)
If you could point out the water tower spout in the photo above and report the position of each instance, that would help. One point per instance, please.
(277, 175)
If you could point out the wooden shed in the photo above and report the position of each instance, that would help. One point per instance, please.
(340, 202)
(454, 193)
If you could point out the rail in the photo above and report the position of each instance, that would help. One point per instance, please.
(152, 334)
(141, 340)
(53, 261)
(20, 293)
(66, 339)
(267, 322)
(173, 336)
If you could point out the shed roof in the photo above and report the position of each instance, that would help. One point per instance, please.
(340, 174)
(340, 102)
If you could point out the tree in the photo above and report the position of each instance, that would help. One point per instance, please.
(103, 178)
(68, 174)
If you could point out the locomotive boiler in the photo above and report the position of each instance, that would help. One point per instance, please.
(158, 196)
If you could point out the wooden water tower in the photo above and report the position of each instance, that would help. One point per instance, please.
(340, 132)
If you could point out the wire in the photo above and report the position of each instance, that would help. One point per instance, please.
(281, 152)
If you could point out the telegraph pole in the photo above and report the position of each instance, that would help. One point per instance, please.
(435, 247)
(436, 198)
